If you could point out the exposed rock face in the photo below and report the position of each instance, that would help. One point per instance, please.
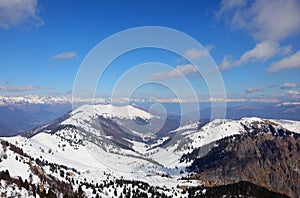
(268, 156)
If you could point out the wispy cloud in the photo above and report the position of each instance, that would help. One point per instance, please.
(288, 86)
(65, 55)
(290, 62)
(194, 54)
(261, 52)
(178, 72)
(252, 90)
(15, 12)
(264, 100)
(273, 86)
(294, 93)
(22, 88)
(263, 20)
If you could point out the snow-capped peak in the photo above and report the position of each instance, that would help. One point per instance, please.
(110, 111)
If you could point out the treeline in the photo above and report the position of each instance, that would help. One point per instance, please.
(39, 189)
(240, 189)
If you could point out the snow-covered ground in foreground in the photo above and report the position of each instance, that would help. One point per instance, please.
(91, 161)
(93, 164)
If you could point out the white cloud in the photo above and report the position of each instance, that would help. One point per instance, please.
(211, 99)
(262, 51)
(288, 86)
(286, 50)
(15, 12)
(210, 47)
(264, 100)
(290, 62)
(289, 96)
(227, 63)
(65, 55)
(194, 54)
(227, 5)
(252, 90)
(178, 72)
(264, 20)
(294, 93)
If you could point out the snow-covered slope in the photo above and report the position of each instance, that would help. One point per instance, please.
(85, 112)
(103, 125)
(289, 124)
(190, 137)
(85, 163)
(95, 144)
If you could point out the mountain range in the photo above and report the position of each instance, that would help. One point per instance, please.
(125, 151)
(18, 117)
(15, 119)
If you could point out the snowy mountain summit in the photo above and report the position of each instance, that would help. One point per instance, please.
(99, 144)
(110, 111)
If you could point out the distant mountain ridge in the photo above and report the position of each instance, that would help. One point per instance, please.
(268, 111)
(19, 118)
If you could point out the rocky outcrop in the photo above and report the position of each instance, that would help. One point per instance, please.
(268, 156)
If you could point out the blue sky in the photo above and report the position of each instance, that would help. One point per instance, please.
(255, 44)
